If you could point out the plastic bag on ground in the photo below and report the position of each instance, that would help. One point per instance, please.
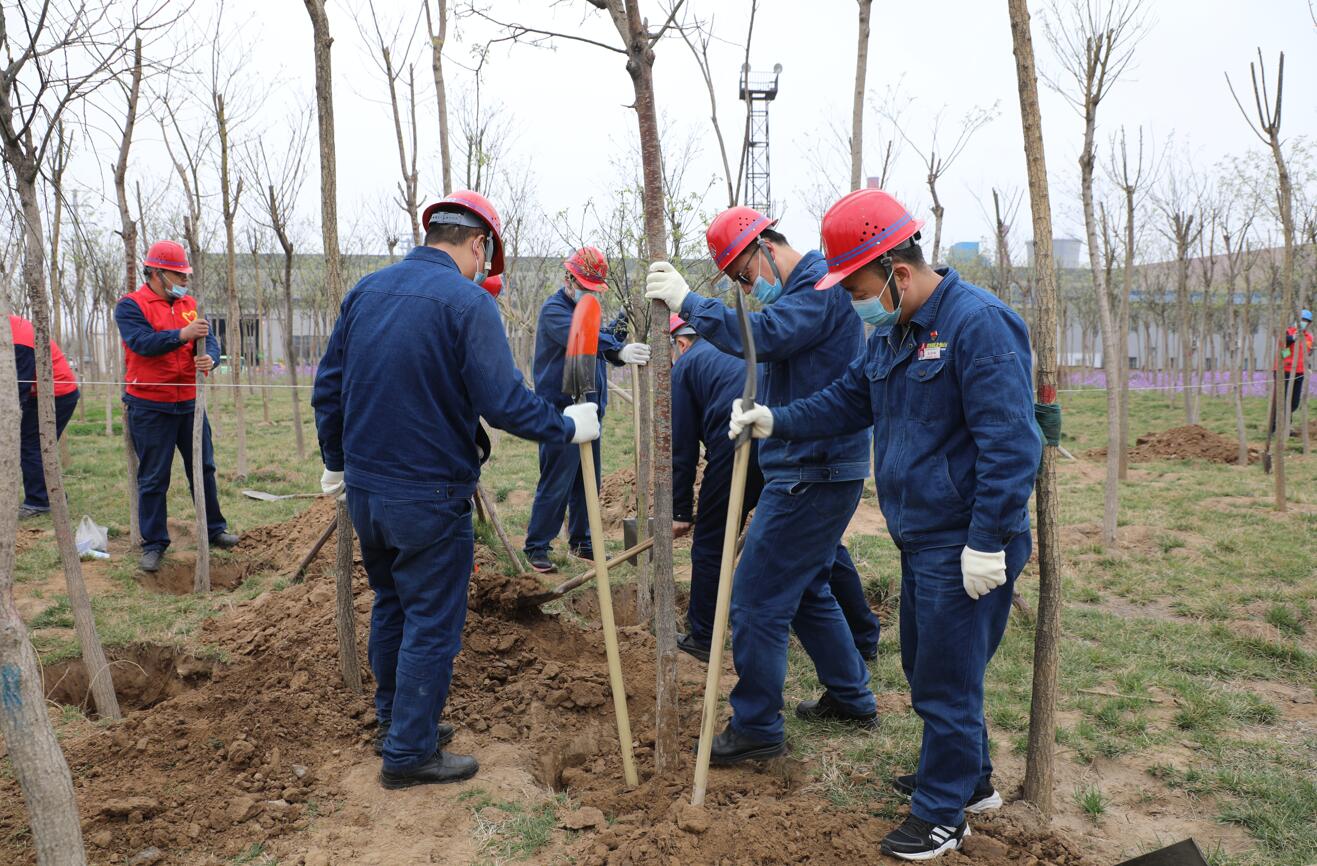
(91, 539)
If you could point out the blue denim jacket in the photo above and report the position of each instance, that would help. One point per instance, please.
(551, 332)
(417, 356)
(804, 341)
(955, 444)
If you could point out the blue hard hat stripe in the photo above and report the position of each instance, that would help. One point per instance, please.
(833, 261)
(722, 256)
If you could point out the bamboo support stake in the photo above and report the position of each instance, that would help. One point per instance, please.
(345, 615)
(200, 577)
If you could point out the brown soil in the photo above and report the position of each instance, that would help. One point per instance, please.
(270, 741)
(144, 675)
(178, 571)
(1190, 442)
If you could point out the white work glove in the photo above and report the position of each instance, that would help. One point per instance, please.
(982, 572)
(586, 418)
(758, 419)
(635, 353)
(331, 482)
(666, 285)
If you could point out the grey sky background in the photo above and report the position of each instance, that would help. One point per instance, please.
(571, 124)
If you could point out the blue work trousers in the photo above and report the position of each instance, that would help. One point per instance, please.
(156, 435)
(560, 492)
(34, 475)
(782, 583)
(947, 639)
(418, 555)
(707, 549)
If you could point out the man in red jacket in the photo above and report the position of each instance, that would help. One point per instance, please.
(35, 500)
(159, 324)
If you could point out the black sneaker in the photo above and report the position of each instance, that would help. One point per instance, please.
(827, 708)
(224, 540)
(26, 512)
(150, 560)
(687, 644)
(539, 560)
(582, 551)
(917, 839)
(984, 799)
(730, 748)
(442, 768)
(446, 733)
(869, 654)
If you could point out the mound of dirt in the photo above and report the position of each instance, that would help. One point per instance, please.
(284, 544)
(144, 675)
(1190, 442)
(269, 742)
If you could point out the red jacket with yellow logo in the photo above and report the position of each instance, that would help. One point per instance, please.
(160, 367)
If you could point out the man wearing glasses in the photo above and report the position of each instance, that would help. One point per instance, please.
(794, 570)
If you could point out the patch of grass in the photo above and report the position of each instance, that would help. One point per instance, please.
(1285, 619)
(519, 833)
(58, 615)
(254, 855)
(1091, 800)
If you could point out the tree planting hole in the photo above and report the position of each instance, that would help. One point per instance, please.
(176, 575)
(144, 675)
(625, 604)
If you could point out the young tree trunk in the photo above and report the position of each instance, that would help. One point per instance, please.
(128, 231)
(233, 327)
(321, 43)
(857, 101)
(642, 414)
(1040, 757)
(34, 752)
(1126, 293)
(437, 38)
(200, 577)
(345, 618)
(668, 752)
(84, 621)
(291, 359)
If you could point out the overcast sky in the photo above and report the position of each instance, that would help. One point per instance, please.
(569, 105)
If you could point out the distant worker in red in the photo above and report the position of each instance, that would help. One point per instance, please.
(1293, 351)
(159, 324)
(35, 500)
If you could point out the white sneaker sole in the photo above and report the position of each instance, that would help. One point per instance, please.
(987, 804)
(949, 845)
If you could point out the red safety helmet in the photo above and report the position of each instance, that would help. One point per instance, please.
(732, 231)
(167, 256)
(493, 285)
(589, 267)
(677, 326)
(465, 202)
(859, 228)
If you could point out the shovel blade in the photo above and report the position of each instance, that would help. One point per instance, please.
(1186, 853)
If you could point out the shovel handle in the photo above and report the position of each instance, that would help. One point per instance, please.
(712, 682)
(606, 614)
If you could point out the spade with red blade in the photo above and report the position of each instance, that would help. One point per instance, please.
(579, 380)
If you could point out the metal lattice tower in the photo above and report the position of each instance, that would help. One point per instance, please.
(758, 89)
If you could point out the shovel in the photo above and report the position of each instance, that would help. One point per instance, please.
(276, 497)
(735, 502)
(578, 380)
(568, 585)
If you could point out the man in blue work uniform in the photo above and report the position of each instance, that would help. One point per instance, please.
(704, 381)
(561, 490)
(946, 385)
(418, 355)
(785, 578)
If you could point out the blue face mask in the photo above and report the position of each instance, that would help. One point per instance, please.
(766, 292)
(176, 291)
(871, 310)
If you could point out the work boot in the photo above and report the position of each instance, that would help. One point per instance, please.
(869, 653)
(539, 560)
(729, 748)
(583, 551)
(150, 560)
(445, 731)
(28, 511)
(827, 708)
(224, 540)
(442, 768)
(687, 644)
(917, 839)
(984, 799)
